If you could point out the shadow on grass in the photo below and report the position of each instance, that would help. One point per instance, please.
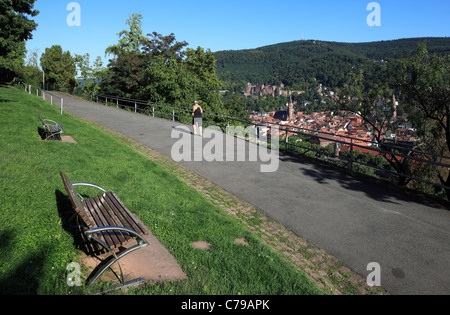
(74, 226)
(24, 279)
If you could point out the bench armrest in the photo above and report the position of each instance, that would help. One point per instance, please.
(89, 185)
(91, 232)
(51, 121)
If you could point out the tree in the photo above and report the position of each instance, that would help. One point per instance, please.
(129, 41)
(161, 69)
(424, 80)
(31, 72)
(124, 75)
(165, 46)
(201, 65)
(374, 104)
(59, 67)
(15, 29)
(235, 106)
(90, 75)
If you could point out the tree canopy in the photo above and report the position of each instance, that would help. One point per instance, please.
(129, 40)
(59, 67)
(300, 64)
(15, 29)
(162, 70)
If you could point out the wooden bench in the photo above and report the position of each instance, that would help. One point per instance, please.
(51, 131)
(109, 223)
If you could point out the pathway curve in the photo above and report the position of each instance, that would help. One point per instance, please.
(328, 223)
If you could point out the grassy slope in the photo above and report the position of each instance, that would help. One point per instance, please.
(36, 248)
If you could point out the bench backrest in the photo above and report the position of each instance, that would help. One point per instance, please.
(75, 199)
(42, 120)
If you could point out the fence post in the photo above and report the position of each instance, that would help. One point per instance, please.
(117, 102)
(287, 139)
(173, 114)
(135, 108)
(351, 155)
(153, 111)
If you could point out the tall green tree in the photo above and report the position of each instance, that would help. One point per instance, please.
(165, 46)
(129, 40)
(90, 75)
(374, 104)
(161, 69)
(201, 65)
(59, 67)
(31, 72)
(424, 80)
(15, 29)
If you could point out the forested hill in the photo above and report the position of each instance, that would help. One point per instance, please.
(297, 63)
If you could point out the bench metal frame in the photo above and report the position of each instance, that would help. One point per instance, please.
(94, 234)
(53, 130)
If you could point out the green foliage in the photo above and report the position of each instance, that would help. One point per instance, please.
(31, 73)
(163, 71)
(15, 29)
(424, 80)
(165, 46)
(129, 41)
(59, 68)
(90, 75)
(302, 64)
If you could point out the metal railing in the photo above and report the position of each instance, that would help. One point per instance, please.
(396, 155)
(45, 95)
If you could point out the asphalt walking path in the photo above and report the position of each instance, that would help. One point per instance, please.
(357, 221)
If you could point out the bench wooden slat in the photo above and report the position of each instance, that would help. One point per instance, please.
(100, 222)
(105, 210)
(123, 213)
(109, 217)
(114, 216)
(128, 216)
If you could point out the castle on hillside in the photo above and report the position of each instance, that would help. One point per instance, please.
(261, 90)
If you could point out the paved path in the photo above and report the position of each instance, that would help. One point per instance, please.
(355, 221)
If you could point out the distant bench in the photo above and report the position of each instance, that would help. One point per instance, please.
(51, 131)
(109, 223)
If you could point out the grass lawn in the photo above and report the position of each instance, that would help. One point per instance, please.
(36, 248)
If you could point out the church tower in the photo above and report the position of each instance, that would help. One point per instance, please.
(395, 103)
(291, 110)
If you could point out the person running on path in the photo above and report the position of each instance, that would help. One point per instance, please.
(197, 112)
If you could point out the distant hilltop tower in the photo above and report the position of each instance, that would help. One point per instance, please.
(395, 102)
(291, 110)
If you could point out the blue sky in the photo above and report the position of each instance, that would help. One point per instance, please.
(234, 25)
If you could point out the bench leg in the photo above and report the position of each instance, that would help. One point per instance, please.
(56, 136)
(108, 262)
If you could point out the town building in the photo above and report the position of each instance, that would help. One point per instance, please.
(264, 90)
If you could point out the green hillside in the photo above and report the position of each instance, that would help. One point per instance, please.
(298, 63)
